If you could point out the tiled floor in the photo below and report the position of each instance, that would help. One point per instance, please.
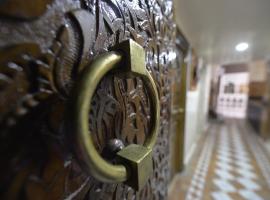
(230, 163)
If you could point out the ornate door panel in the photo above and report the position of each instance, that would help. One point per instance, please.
(44, 47)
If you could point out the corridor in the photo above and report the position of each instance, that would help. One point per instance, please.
(230, 163)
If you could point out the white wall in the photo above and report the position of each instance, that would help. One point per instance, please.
(196, 112)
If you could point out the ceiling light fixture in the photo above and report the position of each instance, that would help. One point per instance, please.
(243, 46)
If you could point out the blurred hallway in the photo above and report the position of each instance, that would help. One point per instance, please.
(230, 163)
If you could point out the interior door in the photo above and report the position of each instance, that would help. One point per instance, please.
(45, 45)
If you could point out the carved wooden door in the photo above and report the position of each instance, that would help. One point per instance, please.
(44, 44)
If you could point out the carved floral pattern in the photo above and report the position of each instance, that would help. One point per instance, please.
(121, 107)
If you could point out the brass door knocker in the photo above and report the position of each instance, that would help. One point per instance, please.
(135, 161)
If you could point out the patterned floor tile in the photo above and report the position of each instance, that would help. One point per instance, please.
(224, 174)
(220, 196)
(249, 184)
(243, 165)
(224, 185)
(246, 173)
(230, 163)
(249, 195)
(224, 166)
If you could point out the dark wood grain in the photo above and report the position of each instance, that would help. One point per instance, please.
(41, 60)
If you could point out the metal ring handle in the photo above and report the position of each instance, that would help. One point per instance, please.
(84, 91)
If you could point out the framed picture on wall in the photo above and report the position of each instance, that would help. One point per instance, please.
(194, 71)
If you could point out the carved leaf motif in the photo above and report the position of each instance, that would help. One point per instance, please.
(24, 10)
(121, 107)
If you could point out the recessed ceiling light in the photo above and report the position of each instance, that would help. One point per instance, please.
(243, 46)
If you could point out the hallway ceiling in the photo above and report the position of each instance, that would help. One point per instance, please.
(215, 27)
